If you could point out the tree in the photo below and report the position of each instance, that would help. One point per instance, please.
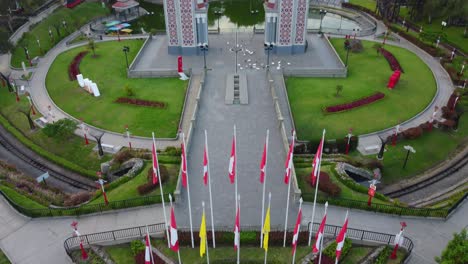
(98, 138)
(339, 89)
(382, 148)
(92, 46)
(456, 250)
(62, 129)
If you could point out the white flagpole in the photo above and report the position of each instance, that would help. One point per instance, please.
(162, 195)
(316, 189)
(264, 183)
(235, 167)
(289, 192)
(178, 250)
(209, 190)
(298, 231)
(149, 242)
(188, 190)
(269, 203)
(206, 240)
(323, 236)
(346, 217)
(238, 242)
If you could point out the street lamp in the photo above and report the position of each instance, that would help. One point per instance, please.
(268, 47)
(126, 49)
(254, 13)
(443, 24)
(218, 13)
(409, 149)
(64, 23)
(203, 47)
(437, 41)
(236, 47)
(347, 47)
(356, 30)
(322, 14)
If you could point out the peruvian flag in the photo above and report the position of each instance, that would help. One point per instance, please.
(319, 236)
(263, 164)
(237, 231)
(184, 165)
(174, 237)
(155, 163)
(316, 163)
(296, 231)
(205, 167)
(341, 238)
(147, 250)
(289, 161)
(232, 161)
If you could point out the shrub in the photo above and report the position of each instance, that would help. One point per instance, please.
(348, 106)
(382, 258)
(164, 173)
(77, 198)
(327, 186)
(331, 249)
(129, 91)
(356, 45)
(412, 133)
(140, 102)
(146, 188)
(140, 258)
(123, 155)
(173, 151)
(62, 129)
(137, 246)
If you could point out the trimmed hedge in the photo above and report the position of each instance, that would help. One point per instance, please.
(331, 249)
(354, 104)
(382, 258)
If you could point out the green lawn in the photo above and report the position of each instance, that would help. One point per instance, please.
(20, 200)
(369, 4)
(368, 73)
(355, 254)
(3, 258)
(72, 149)
(75, 18)
(108, 71)
(121, 254)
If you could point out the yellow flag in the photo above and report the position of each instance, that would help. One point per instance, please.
(266, 230)
(202, 235)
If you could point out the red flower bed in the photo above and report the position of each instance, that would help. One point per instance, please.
(394, 64)
(74, 67)
(140, 102)
(348, 106)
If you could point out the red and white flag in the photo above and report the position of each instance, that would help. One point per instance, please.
(263, 164)
(296, 231)
(155, 163)
(316, 163)
(237, 231)
(289, 161)
(147, 249)
(232, 161)
(205, 167)
(340, 239)
(173, 230)
(183, 165)
(319, 236)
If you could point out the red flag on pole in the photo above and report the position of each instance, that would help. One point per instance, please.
(319, 236)
(232, 161)
(296, 231)
(184, 166)
(340, 239)
(237, 231)
(316, 163)
(263, 164)
(155, 163)
(147, 250)
(174, 236)
(289, 161)
(205, 167)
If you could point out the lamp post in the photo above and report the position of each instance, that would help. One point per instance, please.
(127, 132)
(349, 140)
(398, 240)
(64, 23)
(26, 52)
(409, 149)
(437, 41)
(204, 47)
(218, 13)
(126, 49)
(322, 13)
(443, 24)
(236, 48)
(254, 13)
(355, 30)
(347, 47)
(268, 47)
(462, 69)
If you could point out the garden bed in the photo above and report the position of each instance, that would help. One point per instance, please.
(74, 68)
(140, 102)
(392, 61)
(361, 102)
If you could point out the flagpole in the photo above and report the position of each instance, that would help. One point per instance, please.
(162, 195)
(238, 247)
(188, 191)
(346, 217)
(209, 190)
(289, 192)
(316, 189)
(298, 231)
(269, 203)
(235, 165)
(206, 240)
(264, 184)
(323, 236)
(149, 242)
(178, 250)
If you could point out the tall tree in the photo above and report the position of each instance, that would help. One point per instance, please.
(456, 250)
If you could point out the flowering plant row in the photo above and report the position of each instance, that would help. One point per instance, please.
(348, 106)
(74, 68)
(140, 102)
(394, 64)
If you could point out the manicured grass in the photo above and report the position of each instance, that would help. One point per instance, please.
(20, 200)
(3, 258)
(72, 150)
(121, 254)
(75, 18)
(276, 254)
(369, 4)
(431, 148)
(108, 71)
(355, 254)
(368, 73)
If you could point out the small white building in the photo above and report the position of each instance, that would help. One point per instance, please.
(125, 10)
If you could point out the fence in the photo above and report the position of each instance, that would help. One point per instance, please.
(87, 208)
(73, 243)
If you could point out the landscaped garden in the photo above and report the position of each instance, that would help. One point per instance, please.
(368, 73)
(74, 18)
(108, 70)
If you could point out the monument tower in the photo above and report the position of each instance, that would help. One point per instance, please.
(186, 25)
(286, 25)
